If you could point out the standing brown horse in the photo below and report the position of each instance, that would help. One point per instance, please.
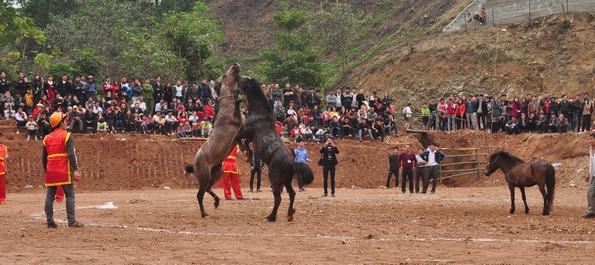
(521, 174)
(228, 124)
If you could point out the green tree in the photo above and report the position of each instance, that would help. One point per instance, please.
(18, 32)
(40, 10)
(294, 59)
(289, 19)
(148, 56)
(165, 6)
(192, 36)
(102, 26)
(337, 31)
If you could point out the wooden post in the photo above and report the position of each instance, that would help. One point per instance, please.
(465, 30)
(477, 157)
(493, 19)
(440, 168)
(529, 12)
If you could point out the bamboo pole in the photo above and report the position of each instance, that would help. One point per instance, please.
(459, 170)
(460, 174)
(477, 157)
(464, 155)
(463, 163)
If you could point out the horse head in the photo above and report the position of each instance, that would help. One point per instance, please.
(246, 83)
(230, 79)
(492, 164)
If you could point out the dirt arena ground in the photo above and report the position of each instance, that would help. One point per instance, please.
(364, 226)
(465, 222)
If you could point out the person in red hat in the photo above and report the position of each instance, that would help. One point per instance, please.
(3, 156)
(230, 178)
(61, 168)
(32, 128)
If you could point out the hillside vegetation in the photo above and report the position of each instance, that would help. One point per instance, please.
(401, 49)
(405, 53)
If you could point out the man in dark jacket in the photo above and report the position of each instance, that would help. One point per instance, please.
(256, 166)
(328, 162)
(433, 157)
(158, 89)
(393, 167)
(63, 86)
(205, 92)
(90, 121)
(4, 83)
(347, 98)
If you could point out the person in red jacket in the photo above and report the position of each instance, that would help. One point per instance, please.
(230, 178)
(60, 165)
(108, 89)
(3, 156)
(407, 163)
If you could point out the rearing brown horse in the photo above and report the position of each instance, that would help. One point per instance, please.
(228, 124)
(521, 174)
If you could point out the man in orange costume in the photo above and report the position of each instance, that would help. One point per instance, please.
(3, 155)
(61, 169)
(230, 176)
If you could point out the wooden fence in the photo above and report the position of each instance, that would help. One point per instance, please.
(476, 156)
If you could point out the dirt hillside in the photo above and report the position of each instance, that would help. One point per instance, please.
(516, 59)
(405, 54)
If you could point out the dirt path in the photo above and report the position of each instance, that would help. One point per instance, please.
(368, 226)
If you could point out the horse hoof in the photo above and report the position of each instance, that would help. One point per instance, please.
(204, 215)
(526, 212)
(216, 203)
(271, 218)
(511, 212)
(544, 214)
(290, 218)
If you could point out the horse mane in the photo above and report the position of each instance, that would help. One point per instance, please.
(251, 89)
(507, 156)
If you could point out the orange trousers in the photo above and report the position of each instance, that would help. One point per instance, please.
(2, 188)
(231, 180)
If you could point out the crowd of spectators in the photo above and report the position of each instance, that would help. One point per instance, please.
(187, 109)
(307, 114)
(124, 106)
(509, 114)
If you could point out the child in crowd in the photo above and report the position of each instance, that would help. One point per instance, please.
(101, 123)
(180, 133)
(145, 124)
(197, 129)
(138, 121)
(207, 127)
(31, 128)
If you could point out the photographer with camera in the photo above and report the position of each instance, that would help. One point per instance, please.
(328, 161)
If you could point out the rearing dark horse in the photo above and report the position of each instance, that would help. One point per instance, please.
(521, 174)
(260, 130)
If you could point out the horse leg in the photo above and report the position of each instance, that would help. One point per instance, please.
(546, 205)
(524, 199)
(216, 174)
(277, 193)
(216, 198)
(291, 193)
(511, 188)
(203, 175)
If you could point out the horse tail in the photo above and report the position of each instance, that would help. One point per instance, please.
(189, 168)
(303, 173)
(550, 182)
